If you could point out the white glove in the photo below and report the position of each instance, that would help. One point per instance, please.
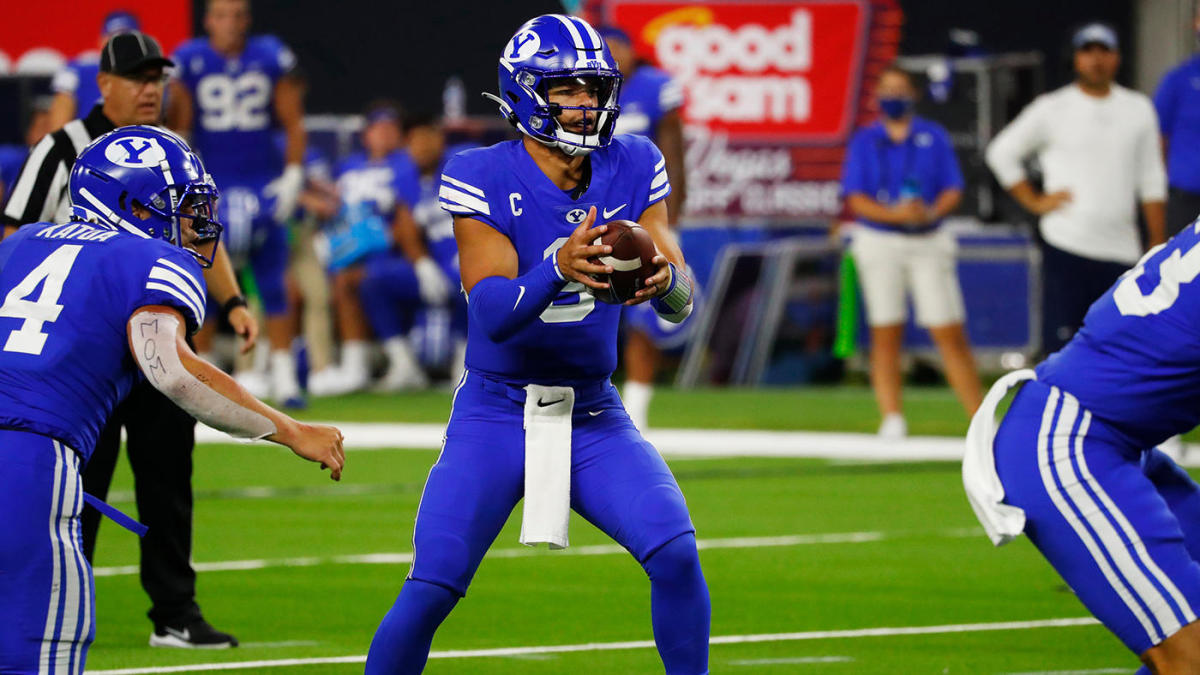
(434, 288)
(286, 191)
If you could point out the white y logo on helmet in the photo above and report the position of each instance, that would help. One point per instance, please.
(524, 45)
(135, 152)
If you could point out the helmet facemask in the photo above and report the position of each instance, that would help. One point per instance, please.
(195, 204)
(545, 124)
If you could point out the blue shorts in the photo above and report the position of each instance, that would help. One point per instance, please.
(619, 483)
(252, 237)
(1120, 524)
(391, 295)
(47, 607)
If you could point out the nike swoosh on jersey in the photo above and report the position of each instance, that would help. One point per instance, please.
(594, 413)
(610, 214)
(519, 296)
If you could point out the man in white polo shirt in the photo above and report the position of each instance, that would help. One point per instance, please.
(1098, 146)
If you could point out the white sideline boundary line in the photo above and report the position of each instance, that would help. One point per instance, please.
(633, 644)
(694, 443)
(405, 557)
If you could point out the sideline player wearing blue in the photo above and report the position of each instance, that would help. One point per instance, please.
(75, 88)
(90, 307)
(233, 94)
(535, 417)
(1074, 464)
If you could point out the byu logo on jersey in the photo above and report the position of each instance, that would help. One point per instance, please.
(135, 152)
(576, 216)
(524, 45)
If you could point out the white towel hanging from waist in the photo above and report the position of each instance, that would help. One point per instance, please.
(1002, 522)
(547, 505)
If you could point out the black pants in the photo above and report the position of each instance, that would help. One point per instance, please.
(159, 438)
(1070, 284)
(1183, 206)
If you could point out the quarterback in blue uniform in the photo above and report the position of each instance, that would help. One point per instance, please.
(232, 94)
(535, 417)
(1074, 464)
(90, 307)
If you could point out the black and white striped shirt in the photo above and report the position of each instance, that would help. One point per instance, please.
(40, 191)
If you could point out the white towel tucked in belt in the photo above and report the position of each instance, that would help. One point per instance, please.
(1002, 522)
(547, 507)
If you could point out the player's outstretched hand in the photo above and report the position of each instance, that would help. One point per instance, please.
(320, 443)
(572, 258)
(656, 284)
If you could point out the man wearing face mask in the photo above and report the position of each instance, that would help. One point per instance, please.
(899, 180)
(1098, 146)
(1177, 102)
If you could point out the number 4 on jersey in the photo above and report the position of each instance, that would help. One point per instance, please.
(29, 338)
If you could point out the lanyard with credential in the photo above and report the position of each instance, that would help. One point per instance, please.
(883, 195)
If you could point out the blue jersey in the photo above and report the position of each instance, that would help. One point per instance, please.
(1136, 361)
(646, 97)
(78, 78)
(923, 165)
(436, 223)
(575, 338)
(379, 184)
(69, 291)
(1177, 102)
(234, 121)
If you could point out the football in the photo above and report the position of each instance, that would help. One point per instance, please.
(632, 254)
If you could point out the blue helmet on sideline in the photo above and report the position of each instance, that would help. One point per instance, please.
(555, 47)
(151, 168)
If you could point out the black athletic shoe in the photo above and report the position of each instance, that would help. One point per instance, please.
(196, 634)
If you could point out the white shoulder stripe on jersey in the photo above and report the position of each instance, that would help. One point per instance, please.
(455, 208)
(461, 198)
(197, 314)
(660, 193)
(469, 188)
(163, 273)
(658, 180)
(661, 163)
(185, 274)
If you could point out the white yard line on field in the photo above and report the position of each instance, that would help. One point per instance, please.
(633, 644)
(694, 442)
(404, 558)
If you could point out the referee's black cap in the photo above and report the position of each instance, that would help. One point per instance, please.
(129, 52)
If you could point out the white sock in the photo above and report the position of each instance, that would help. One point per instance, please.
(399, 354)
(636, 396)
(355, 356)
(283, 374)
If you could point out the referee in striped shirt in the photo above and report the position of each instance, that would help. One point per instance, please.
(160, 436)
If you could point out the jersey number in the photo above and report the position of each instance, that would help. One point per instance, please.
(568, 310)
(234, 104)
(51, 273)
(1173, 271)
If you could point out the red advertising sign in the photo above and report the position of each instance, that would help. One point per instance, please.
(773, 90)
(66, 28)
(759, 71)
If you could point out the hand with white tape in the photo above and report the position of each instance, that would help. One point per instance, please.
(432, 284)
(286, 192)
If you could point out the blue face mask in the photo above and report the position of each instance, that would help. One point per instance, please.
(895, 108)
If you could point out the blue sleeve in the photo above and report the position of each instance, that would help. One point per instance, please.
(280, 58)
(183, 65)
(169, 275)
(501, 307)
(949, 174)
(1165, 101)
(855, 176)
(406, 180)
(650, 170)
(465, 191)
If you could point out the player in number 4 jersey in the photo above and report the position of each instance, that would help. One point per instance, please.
(1074, 464)
(89, 307)
(535, 418)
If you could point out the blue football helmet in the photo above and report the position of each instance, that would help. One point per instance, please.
(551, 48)
(151, 168)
